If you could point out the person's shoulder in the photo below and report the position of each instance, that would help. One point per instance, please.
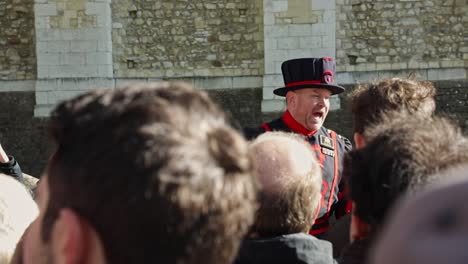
(252, 132)
(342, 140)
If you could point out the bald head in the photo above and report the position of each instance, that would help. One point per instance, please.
(282, 158)
(290, 177)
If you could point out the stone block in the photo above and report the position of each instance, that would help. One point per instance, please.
(320, 29)
(58, 46)
(47, 34)
(279, 55)
(73, 58)
(288, 43)
(329, 17)
(17, 86)
(42, 71)
(120, 82)
(298, 30)
(48, 59)
(96, 8)
(323, 4)
(399, 65)
(268, 6)
(434, 64)
(322, 52)
(49, 9)
(42, 111)
(344, 78)
(274, 105)
(63, 95)
(84, 45)
(298, 53)
(104, 58)
(384, 66)
(329, 41)
(382, 59)
(310, 42)
(446, 74)
(364, 77)
(270, 44)
(73, 71)
(213, 83)
(44, 85)
(268, 19)
(270, 66)
(105, 46)
(276, 31)
(42, 98)
(273, 80)
(42, 22)
(280, 6)
(247, 82)
(86, 83)
(267, 92)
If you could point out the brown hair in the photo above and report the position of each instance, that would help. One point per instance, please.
(402, 155)
(291, 179)
(370, 101)
(157, 172)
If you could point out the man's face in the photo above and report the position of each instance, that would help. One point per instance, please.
(309, 106)
(34, 249)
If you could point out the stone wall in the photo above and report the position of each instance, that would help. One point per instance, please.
(187, 38)
(404, 34)
(17, 46)
(25, 136)
(73, 39)
(294, 29)
(21, 134)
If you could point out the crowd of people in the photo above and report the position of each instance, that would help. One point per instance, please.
(154, 173)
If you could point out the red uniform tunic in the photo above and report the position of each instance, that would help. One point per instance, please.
(330, 148)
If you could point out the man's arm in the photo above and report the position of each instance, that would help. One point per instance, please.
(9, 166)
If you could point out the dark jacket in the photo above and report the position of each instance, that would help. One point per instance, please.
(355, 253)
(12, 169)
(297, 248)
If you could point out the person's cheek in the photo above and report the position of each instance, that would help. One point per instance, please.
(30, 243)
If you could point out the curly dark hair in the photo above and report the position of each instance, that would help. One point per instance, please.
(401, 157)
(156, 170)
(370, 101)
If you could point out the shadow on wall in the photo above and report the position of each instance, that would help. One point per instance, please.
(25, 137)
(22, 135)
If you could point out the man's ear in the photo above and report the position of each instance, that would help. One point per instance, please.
(290, 100)
(358, 229)
(68, 238)
(359, 140)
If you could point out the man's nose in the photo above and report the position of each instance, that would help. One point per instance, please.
(321, 102)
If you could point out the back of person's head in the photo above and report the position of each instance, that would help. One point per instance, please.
(400, 157)
(370, 101)
(430, 227)
(156, 170)
(290, 179)
(17, 211)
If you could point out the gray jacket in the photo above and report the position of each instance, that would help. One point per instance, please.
(297, 248)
